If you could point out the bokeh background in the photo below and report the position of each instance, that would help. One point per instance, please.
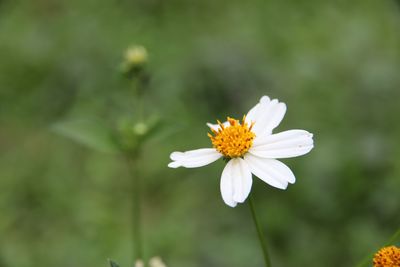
(334, 63)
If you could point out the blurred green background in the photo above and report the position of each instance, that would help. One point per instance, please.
(334, 63)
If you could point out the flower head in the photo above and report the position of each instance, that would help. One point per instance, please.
(387, 257)
(234, 140)
(250, 148)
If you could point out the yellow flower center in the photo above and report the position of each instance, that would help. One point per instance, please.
(234, 140)
(387, 257)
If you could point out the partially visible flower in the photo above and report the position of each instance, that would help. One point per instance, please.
(387, 257)
(156, 262)
(139, 263)
(153, 262)
(249, 147)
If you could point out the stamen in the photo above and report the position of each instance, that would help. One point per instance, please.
(235, 140)
(387, 257)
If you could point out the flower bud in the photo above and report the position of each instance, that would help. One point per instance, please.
(136, 55)
(140, 128)
(135, 58)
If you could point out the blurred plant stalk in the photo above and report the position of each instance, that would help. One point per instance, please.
(133, 68)
(260, 233)
(133, 166)
(126, 139)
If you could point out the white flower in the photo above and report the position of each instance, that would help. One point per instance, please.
(251, 148)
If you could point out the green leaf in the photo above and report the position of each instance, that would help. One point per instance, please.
(113, 263)
(89, 132)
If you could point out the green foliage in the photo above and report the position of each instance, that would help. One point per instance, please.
(113, 263)
(88, 132)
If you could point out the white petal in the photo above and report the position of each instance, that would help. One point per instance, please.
(174, 164)
(286, 144)
(216, 127)
(194, 158)
(266, 115)
(240, 181)
(271, 171)
(226, 186)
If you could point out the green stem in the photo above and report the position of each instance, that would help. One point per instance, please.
(259, 233)
(136, 207)
(139, 90)
(393, 239)
(368, 260)
(132, 158)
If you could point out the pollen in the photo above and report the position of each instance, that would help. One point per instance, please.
(387, 257)
(234, 140)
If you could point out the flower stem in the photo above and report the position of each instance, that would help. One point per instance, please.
(260, 234)
(394, 238)
(136, 207)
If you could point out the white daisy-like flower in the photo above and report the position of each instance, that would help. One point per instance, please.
(250, 147)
